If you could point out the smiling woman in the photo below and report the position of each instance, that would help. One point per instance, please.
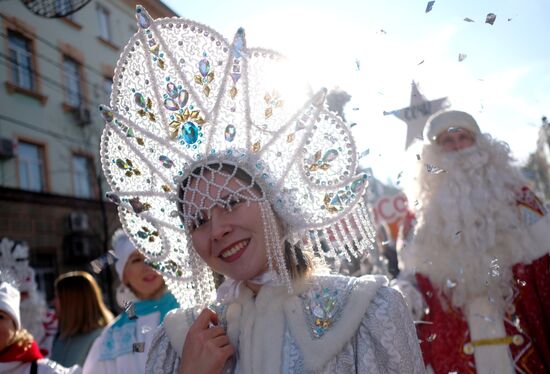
(122, 346)
(233, 168)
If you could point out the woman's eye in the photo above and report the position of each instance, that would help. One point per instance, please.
(231, 202)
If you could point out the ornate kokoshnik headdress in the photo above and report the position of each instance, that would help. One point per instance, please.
(184, 101)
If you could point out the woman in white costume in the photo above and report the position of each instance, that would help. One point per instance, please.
(218, 167)
(122, 346)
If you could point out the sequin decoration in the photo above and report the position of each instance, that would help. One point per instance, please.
(323, 305)
(230, 133)
(186, 127)
(138, 206)
(272, 100)
(142, 18)
(146, 234)
(145, 105)
(166, 162)
(127, 166)
(205, 76)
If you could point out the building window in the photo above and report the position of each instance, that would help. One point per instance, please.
(107, 86)
(20, 51)
(31, 166)
(82, 176)
(72, 80)
(103, 22)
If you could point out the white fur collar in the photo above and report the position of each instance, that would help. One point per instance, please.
(257, 325)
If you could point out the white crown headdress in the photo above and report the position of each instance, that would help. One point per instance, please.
(184, 97)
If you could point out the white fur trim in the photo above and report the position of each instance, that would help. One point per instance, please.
(539, 232)
(317, 352)
(445, 119)
(176, 326)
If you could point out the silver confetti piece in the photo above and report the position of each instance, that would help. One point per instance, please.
(364, 153)
(432, 337)
(429, 6)
(432, 169)
(490, 19)
(138, 347)
(145, 329)
(462, 57)
(103, 261)
(450, 283)
(130, 310)
(468, 19)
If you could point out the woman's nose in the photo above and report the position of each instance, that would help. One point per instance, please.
(219, 224)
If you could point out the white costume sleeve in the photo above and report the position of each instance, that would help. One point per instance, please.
(93, 365)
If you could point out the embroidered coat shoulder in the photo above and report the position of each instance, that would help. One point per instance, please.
(330, 323)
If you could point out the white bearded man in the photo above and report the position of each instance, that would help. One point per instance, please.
(479, 256)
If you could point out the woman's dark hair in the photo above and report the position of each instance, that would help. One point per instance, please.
(298, 266)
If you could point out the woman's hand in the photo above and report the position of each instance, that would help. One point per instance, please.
(206, 348)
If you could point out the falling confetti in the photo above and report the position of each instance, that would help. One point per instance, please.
(494, 268)
(146, 329)
(353, 124)
(416, 203)
(358, 64)
(432, 337)
(490, 19)
(138, 347)
(356, 108)
(432, 169)
(418, 157)
(421, 62)
(382, 31)
(130, 310)
(364, 153)
(451, 284)
(429, 6)
(522, 283)
(467, 19)
(462, 57)
(509, 19)
(103, 261)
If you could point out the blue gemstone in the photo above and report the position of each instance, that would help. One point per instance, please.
(190, 132)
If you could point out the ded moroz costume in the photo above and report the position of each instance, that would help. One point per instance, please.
(479, 257)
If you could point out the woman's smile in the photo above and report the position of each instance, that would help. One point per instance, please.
(234, 251)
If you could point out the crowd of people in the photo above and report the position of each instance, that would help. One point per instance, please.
(227, 252)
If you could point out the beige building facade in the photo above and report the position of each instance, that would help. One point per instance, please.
(54, 73)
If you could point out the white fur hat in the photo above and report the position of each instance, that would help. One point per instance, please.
(123, 248)
(9, 302)
(446, 119)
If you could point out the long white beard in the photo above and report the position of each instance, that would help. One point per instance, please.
(469, 233)
(33, 312)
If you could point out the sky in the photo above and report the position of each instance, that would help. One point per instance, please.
(374, 50)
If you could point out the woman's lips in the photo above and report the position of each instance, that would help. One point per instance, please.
(150, 277)
(235, 251)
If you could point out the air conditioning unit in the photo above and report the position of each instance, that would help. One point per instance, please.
(83, 115)
(78, 221)
(6, 148)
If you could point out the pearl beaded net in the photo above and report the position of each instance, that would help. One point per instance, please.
(185, 98)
